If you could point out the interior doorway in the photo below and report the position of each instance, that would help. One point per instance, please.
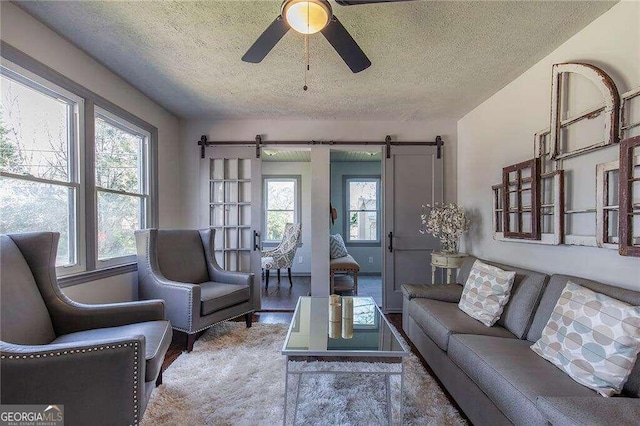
(357, 221)
(286, 199)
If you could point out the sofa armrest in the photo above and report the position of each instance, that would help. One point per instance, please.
(596, 410)
(97, 379)
(442, 292)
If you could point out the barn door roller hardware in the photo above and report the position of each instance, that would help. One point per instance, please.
(259, 144)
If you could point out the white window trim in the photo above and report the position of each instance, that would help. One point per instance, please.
(297, 179)
(76, 151)
(347, 209)
(127, 126)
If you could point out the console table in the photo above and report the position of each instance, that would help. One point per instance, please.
(448, 261)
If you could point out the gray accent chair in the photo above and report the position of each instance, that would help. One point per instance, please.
(100, 361)
(179, 266)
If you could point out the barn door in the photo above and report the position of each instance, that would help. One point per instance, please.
(413, 177)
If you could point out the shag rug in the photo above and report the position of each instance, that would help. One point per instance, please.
(235, 376)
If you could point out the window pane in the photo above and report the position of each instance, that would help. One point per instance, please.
(34, 132)
(118, 158)
(363, 226)
(118, 219)
(362, 195)
(280, 195)
(276, 222)
(32, 206)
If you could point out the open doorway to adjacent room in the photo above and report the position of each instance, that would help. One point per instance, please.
(356, 221)
(286, 249)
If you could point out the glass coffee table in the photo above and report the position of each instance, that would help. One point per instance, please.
(366, 339)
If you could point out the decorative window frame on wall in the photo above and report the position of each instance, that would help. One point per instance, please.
(530, 183)
(629, 204)
(625, 101)
(611, 107)
(604, 208)
(552, 204)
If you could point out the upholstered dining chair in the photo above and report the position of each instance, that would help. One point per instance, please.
(100, 361)
(179, 266)
(283, 255)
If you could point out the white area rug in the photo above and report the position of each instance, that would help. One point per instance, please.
(235, 376)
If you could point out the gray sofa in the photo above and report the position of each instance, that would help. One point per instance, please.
(492, 373)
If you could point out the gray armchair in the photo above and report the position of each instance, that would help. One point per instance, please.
(179, 266)
(100, 361)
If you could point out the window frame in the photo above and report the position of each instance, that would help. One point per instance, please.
(520, 209)
(92, 270)
(347, 210)
(76, 150)
(126, 126)
(297, 204)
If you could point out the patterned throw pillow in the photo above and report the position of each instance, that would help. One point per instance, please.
(593, 338)
(486, 292)
(336, 247)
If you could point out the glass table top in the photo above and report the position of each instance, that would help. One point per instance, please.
(314, 332)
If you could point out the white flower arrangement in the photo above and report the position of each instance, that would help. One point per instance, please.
(446, 221)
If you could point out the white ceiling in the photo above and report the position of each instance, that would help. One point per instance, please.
(430, 59)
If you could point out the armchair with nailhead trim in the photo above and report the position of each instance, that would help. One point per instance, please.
(100, 361)
(179, 266)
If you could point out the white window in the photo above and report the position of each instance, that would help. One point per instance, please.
(282, 205)
(44, 175)
(122, 195)
(40, 174)
(363, 209)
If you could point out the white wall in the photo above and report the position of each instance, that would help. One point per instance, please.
(500, 131)
(30, 36)
(304, 170)
(304, 130)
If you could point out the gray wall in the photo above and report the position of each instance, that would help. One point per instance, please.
(339, 169)
(500, 131)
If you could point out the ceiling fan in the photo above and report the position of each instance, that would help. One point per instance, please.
(310, 17)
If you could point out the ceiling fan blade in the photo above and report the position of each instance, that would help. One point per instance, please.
(357, 2)
(267, 40)
(338, 36)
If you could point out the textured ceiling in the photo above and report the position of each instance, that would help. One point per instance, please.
(430, 59)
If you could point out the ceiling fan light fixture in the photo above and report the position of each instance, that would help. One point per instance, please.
(307, 16)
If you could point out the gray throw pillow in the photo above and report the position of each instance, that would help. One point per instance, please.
(336, 247)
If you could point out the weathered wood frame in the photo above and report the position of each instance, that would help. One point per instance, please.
(603, 208)
(624, 100)
(557, 236)
(534, 209)
(627, 206)
(611, 107)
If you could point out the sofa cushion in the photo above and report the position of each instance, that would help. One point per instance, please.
(439, 320)
(572, 411)
(216, 296)
(158, 335)
(486, 292)
(337, 248)
(593, 338)
(550, 298)
(344, 263)
(512, 375)
(526, 292)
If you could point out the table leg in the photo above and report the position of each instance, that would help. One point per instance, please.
(389, 407)
(295, 406)
(402, 393)
(286, 392)
(433, 274)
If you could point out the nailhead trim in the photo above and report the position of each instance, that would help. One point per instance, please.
(135, 346)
